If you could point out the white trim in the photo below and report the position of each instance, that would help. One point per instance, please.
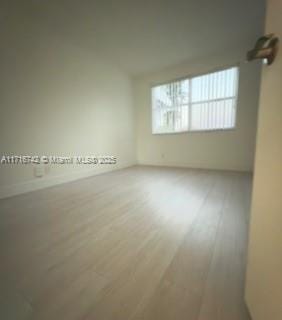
(196, 131)
(46, 182)
(213, 100)
(195, 166)
(189, 78)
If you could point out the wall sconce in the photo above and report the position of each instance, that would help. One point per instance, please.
(266, 48)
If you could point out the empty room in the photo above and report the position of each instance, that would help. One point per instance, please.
(140, 160)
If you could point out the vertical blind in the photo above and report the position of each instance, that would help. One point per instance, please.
(206, 102)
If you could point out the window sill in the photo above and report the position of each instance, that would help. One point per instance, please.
(194, 131)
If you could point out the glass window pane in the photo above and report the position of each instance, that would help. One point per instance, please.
(216, 85)
(170, 107)
(203, 102)
(213, 115)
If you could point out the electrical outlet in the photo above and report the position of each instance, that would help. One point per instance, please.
(39, 171)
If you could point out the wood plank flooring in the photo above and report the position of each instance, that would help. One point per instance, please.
(144, 243)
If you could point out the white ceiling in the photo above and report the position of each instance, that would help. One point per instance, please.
(145, 36)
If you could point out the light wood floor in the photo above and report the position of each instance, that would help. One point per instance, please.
(141, 243)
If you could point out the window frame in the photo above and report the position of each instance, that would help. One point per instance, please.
(153, 85)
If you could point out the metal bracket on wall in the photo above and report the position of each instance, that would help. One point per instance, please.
(266, 47)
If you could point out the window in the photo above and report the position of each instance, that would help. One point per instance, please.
(206, 102)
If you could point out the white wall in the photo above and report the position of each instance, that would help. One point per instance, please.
(230, 150)
(57, 99)
(264, 269)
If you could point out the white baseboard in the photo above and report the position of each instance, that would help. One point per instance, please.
(45, 182)
(190, 166)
